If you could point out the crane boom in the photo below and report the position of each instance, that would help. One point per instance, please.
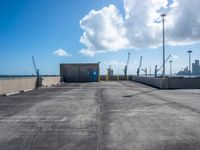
(140, 64)
(156, 70)
(128, 60)
(145, 71)
(35, 66)
(165, 62)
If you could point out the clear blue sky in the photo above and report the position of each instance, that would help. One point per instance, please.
(40, 27)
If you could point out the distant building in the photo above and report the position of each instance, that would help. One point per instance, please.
(110, 71)
(186, 71)
(196, 68)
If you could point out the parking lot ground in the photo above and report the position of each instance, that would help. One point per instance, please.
(121, 115)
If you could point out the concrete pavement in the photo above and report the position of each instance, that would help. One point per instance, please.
(101, 116)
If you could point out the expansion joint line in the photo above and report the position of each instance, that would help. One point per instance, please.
(99, 122)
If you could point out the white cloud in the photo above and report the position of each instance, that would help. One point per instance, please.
(115, 63)
(103, 31)
(185, 28)
(175, 57)
(108, 30)
(140, 22)
(61, 52)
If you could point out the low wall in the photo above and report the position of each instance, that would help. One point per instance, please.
(184, 83)
(155, 82)
(13, 85)
(49, 81)
(17, 84)
(169, 83)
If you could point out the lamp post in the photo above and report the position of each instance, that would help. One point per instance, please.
(170, 67)
(163, 21)
(189, 52)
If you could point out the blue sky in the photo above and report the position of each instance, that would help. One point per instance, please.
(38, 28)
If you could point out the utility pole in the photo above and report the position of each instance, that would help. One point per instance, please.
(170, 67)
(189, 52)
(163, 21)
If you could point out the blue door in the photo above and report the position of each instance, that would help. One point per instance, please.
(93, 75)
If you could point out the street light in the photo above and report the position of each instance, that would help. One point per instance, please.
(170, 67)
(189, 52)
(163, 21)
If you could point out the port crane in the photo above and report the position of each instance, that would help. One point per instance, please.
(145, 71)
(156, 70)
(139, 68)
(126, 66)
(35, 67)
(140, 64)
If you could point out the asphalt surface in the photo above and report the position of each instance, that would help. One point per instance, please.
(101, 116)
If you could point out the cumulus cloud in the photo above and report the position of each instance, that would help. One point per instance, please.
(61, 52)
(103, 31)
(185, 28)
(115, 63)
(108, 30)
